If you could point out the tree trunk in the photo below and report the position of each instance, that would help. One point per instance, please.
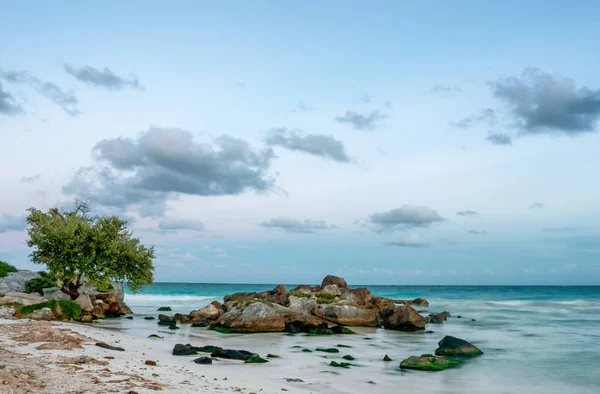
(72, 289)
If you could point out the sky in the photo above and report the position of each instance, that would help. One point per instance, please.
(388, 142)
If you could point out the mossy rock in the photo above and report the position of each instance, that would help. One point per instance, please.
(149, 318)
(339, 365)
(328, 350)
(428, 363)
(154, 336)
(340, 345)
(164, 309)
(173, 327)
(201, 324)
(129, 317)
(165, 323)
(255, 359)
(348, 357)
(307, 350)
(427, 355)
(456, 347)
(387, 358)
(272, 356)
(228, 330)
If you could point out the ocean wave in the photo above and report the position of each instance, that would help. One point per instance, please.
(549, 303)
(159, 299)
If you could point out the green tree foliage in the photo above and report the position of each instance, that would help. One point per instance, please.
(43, 281)
(76, 247)
(5, 269)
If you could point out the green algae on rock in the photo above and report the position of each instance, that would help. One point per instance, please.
(387, 358)
(164, 309)
(255, 359)
(348, 357)
(456, 347)
(428, 363)
(272, 356)
(328, 350)
(149, 318)
(339, 365)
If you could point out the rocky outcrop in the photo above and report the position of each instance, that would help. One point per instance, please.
(334, 280)
(456, 347)
(84, 302)
(348, 315)
(439, 317)
(21, 298)
(256, 317)
(15, 281)
(208, 313)
(405, 318)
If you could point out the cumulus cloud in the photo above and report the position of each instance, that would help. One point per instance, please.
(171, 223)
(66, 100)
(314, 144)
(7, 103)
(12, 223)
(411, 241)
(547, 103)
(443, 89)
(467, 213)
(363, 122)
(537, 205)
(165, 162)
(405, 217)
(30, 179)
(477, 232)
(500, 139)
(486, 115)
(296, 226)
(104, 78)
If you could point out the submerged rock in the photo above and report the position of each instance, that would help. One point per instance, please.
(439, 317)
(232, 354)
(164, 309)
(200, 324)
(339, 365)
(328, 350)
(203, 360)
(348, 357)
(405, 318)
(428, 362)
(452, 346)
(387, 358)
(255, 359)
(184, 350)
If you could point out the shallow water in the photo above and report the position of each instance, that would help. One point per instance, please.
(535, 339)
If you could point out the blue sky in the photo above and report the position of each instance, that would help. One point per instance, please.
(387, 142)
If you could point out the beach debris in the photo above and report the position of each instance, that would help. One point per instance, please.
(387, 358)
(348, 357)
(109, 347)
(428, 362)
(452, 346)
(328, 350)
(203, 360)
(339, 365)
(150, 362)
(164, 309)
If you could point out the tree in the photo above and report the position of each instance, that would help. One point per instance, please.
(78, 248)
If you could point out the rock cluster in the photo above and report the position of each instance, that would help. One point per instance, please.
(324, 309)
(100, 306)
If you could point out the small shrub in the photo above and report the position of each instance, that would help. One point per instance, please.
(299, 294)
(105, 288)
(37, 285)
(6, 268)
(324, 298)
(63, 309)
(2, 295)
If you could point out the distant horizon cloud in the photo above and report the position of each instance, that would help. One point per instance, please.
(477, 232)
(485, 115)
(30, 179)
(12, 223)
(467, 213)
(173, 223)
(104, 78)
(438, 88)
(411, 241)
(295, 226)
(405, 217)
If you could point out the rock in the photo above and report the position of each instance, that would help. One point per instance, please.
(22, 298)
(203, 360)
(256, 317)
(109, 347)
(387, 358)
(255, 359)
(438, 317)
(459, 317)
(208, 349)
(201, 324)
(362, 296)
(347, 315)
(42, 314)
(181, 318)
(154, 336)
(173, 326)
(149, 318)
(421, 302)
(54, 293)
(280, 289)
(15, 281)
(167, 319)
(150, 362)
(86, 318)
(84, 302)
(272, 356)
(339, 365)
(452, 346)
(294, 380)
(209, 312)
(348, 357)
(334, 280)
(6, 312)
(232, 354)
(405, 318)
(428, 363)
(164, 309)
(328, 350)
(473, 320)
(304, 304)
(184, 350)
(332, 290)
(303, 289)
(307, 350)
(123, 308)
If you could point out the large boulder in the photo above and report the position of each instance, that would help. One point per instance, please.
(404, 318)
(84, 302)
(347, 315)
(331, 290)
(232, 354)
(334, 280)
(439, 317)
(452, 346)
(428, 363)
(304, 289)
(54, 293)
(256, 317)
(15, 281)
(41, 314)
(22, 298)
(304, 304)
(208, 313)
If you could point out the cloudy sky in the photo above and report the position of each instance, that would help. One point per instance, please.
(387, 142)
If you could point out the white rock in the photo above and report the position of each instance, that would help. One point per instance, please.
(42, 314)
(332, 290)
(84, 302)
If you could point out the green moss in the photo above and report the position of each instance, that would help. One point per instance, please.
(348, 357)
(129, 317)
(63, 309)
(173, 327)
(458, 353)
(340, 345)
(427, 355)
(272, 356)
(429, 363)
(328, 350)
(299, 294)
(6, 268)
(339, 365)
(255, 359)
(307, 350)
(324, 298)
(2, 295)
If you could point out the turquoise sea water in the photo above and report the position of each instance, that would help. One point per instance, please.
(535, 339)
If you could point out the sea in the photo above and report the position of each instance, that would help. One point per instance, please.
(536, 339)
